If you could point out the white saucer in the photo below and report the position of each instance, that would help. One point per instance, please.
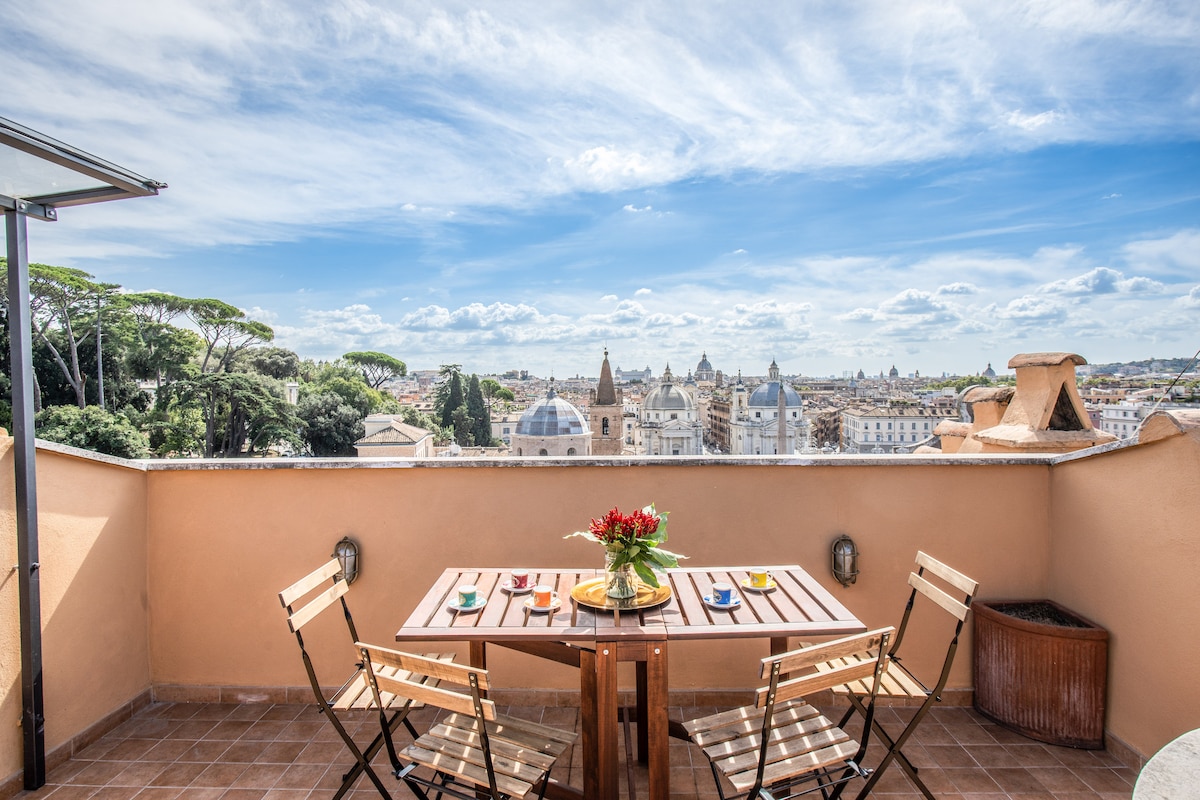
(734, 603)
(746, 584)
(555, 604)
(507, 587)
(467, 609)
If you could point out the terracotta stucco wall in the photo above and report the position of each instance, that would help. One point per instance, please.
(92, 524)
(225, 541)
(1126, 554)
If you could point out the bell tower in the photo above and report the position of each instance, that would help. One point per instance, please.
(606, 415)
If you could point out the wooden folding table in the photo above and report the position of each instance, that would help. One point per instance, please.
(595, 641)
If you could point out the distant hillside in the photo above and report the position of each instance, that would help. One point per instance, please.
(1170, 365)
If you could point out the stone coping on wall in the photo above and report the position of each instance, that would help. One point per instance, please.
(396, 462)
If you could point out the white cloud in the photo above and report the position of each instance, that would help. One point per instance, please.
(608, 298)
(470, 317)
(643, 292)
(1191, 299)
(632, 209)
(1102, 280)
(1031, 122)
(262, 138)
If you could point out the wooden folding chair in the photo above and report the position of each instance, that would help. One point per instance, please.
(474, 752)
(780, 743)
(356, 692)
(898, 681)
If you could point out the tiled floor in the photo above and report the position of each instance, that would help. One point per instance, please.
(289, 752)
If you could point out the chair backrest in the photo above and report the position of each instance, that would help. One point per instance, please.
(957, 585)
(303, 606)
(874, 642)
(865, 655)
(405, 679)
(402, 674)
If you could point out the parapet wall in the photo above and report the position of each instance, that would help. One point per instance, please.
(163, 576)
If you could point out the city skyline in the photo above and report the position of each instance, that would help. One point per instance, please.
(930, 185)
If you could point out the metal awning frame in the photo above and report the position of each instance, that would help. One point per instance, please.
(115, 183)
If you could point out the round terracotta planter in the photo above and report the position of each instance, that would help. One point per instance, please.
(1045, 681)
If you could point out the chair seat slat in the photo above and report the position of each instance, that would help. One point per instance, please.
(501, 763)
(787, 750)
(750, 742)
(744, 720)
(789, 768)
(531, 734)
(517, 751)
(443, 762)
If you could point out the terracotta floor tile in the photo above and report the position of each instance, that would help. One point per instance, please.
(243, 752)
(280, 752)
(1104, 779)
(158, 793)
(1033, 755)
(179, 774)
(300, 776)
(244, 794)
(116, 792)
(950, 755)
(205, 752)
(219, 775)
(67, 793)
(138, 773)
(1058, 779)
(972, 780)
(260, 776)
(201, 793)
(98, 773)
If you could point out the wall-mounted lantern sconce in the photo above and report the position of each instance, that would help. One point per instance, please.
(845, 560)
(346, 552)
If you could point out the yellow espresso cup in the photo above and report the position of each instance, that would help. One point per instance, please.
(760, 578)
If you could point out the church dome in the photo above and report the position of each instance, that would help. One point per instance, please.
(551, 416)
(668, 396)
(704, 366)
(767, 396)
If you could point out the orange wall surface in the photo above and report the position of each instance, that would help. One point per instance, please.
(95, 621)
(1126, 554)
(226, 541)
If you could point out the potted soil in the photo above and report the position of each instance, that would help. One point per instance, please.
(1041, 670)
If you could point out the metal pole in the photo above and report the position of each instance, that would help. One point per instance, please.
(33, 720)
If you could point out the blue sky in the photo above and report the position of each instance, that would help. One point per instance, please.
(837, 186)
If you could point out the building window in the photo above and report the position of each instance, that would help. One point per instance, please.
(543, 453)
(604, 426)
(674, 415)
(758, 415)
(570, 451)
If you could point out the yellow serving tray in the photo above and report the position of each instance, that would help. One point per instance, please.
(591, 593)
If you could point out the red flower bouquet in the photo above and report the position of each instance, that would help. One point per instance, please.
(633, 539)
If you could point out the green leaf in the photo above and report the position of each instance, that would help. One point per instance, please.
(645, 573)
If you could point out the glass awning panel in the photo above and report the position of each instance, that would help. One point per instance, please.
(42, 170)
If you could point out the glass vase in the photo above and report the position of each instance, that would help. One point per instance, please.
(620, 582)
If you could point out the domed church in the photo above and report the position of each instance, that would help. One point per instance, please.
(669, 420)
(552, 427)
(763, 419)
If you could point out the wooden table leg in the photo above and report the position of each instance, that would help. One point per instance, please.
(656, 722)
(598, 690)
(643, 730)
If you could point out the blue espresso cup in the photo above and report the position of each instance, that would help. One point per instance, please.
(722, 593)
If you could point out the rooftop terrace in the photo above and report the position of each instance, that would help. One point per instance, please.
(159, 584)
